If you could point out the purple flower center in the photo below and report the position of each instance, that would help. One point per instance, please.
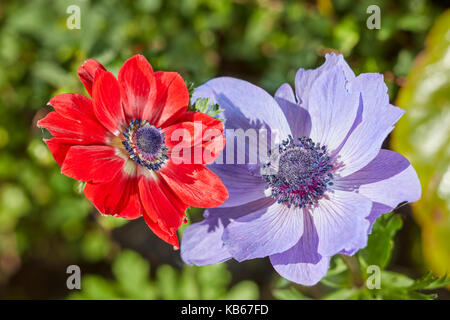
(302, 172)
(149, 139)
(145, 144)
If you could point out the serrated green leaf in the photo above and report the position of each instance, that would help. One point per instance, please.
(398, 286)
(430, 282)
(380, 243)
(191, 87)
(205, 106)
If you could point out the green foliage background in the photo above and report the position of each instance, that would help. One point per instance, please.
(45, 222)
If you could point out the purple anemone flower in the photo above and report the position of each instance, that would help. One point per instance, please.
(333, 179)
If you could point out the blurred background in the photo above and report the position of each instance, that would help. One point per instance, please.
(46, 224)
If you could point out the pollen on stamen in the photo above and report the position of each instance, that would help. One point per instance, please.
(303, 172)
(145, 144)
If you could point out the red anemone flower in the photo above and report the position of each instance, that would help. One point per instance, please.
(119, 143)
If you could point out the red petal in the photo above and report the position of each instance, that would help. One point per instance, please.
(195, 184)
(119, 197)
(92, 163)
(74, 106)
(74, 123)
(169, 238)
(59, 148)
(161, 205)
(207, 120)
(196, 138)
(171, 101)
(87, 73)
(107, 102)
(137, 85)
(81, 131)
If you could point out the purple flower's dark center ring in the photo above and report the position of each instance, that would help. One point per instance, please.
(145, 144)
(303, 172)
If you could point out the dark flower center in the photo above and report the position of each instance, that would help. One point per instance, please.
(299, 173)
(149, 139)
(145, 144)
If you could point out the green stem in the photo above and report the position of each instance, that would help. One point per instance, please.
(353, 265)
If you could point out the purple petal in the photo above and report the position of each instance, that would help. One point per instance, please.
(243, 185)
(297, 117)
(202, 243)
(360, 239)
(246, 105)
(389, 179)
(332, 108)
(378, 209)
(264, 232)
(304, 79)
(339, 219)
(285, 92)
(378, 119)
(302, 263)
(226, 214)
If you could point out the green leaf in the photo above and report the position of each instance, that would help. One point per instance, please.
(95, 287)
(343, 294)
(399, 286)
(95, 246)
(282, 283)
(189, 287)
(167, 282)
(213, 280)
(132, 273)
(430, 282)
(13, 204)
(346, 35)
(403, 294)
(289, 294)
(338, 275)
(395, 280)
(110, 222)
(205, 106)
(132, 281)
(380, 244)
(191, 87)
(244, 290)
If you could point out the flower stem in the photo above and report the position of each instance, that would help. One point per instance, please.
(353, 265)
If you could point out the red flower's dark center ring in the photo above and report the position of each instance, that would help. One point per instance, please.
(303, 173)
(145, 144)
